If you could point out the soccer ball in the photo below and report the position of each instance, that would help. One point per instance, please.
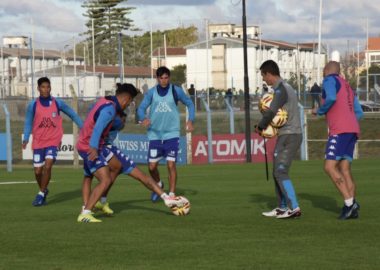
(181, 209)
(269, 132)
(265, 102)
(280, 118)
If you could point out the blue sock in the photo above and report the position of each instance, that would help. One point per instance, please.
(283, 203)
(289, 189)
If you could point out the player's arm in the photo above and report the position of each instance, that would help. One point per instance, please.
(69, 112)
(330, 89)
(186, 100)
(280, 97)
(28, 125)
(141, 110)
(106, 115)
(358, 108)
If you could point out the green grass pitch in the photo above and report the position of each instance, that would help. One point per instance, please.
(225, 229)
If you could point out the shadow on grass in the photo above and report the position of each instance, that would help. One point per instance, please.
(265, 201)
(319, 201)
(120, 206)
(64, 196)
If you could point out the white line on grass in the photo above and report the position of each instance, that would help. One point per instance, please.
(19, 182)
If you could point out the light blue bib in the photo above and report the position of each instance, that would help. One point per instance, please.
(164, 117)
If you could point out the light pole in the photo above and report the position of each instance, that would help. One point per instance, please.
(319, 43)
(246, 90)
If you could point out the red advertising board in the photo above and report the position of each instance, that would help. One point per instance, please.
(231, 148)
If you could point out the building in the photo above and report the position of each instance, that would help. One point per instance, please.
(80, 79)
(170, 58)
(373, 53)
(218, 62)
(16, 67)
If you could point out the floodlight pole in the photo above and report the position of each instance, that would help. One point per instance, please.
(246, 90)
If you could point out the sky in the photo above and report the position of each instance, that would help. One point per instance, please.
(54, 23)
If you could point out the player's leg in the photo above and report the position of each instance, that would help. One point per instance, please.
(100, 170)
(170, 152)
(39, 163)
(149, 183)
(155, 154)
(86, 189)
(287, 150)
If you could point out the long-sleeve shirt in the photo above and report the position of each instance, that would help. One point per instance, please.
(62, 107)
(331, 87)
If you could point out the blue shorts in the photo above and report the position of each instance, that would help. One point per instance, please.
(39, 155)
(127, 164)
(159, 149)
(90, 167)
(341, 146)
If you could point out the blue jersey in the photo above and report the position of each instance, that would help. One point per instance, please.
(163, 111)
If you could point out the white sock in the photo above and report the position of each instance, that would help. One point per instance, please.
(164, 196)
(41, 193)
(103, 200)
(171, 194)
(160, 184)
(349, 202)
(84, 212)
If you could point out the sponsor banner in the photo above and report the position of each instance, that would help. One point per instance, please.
(231, 148)
(136, 147)
(3, 146)
(65, 151)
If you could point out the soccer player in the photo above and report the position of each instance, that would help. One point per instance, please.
(128, 167)
(44, 121)
(342, 110)
(91, 144)
(288, 141)
(163, 123)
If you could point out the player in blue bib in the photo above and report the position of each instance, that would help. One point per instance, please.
(163, 123)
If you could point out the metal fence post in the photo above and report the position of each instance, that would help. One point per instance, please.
(209, 130)
(8, 137)
(304, 148)
(231, 115)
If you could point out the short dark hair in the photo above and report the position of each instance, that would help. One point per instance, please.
(271, 67)
(126, 88)
(42, 80)
(161, 71)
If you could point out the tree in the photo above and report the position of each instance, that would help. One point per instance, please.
(109, 20)
(178, 75)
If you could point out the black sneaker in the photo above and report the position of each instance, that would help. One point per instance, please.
(349, 212)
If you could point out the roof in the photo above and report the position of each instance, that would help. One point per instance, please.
(374, 44)
(108, 71)
(265, 43)
(38, 53)
(175, 51)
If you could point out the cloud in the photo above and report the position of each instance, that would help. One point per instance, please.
(171, 2)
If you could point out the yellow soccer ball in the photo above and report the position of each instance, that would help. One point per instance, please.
(265, 102)
(183, 209)
(280, 119)
(269, 132)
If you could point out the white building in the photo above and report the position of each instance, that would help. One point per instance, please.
(373, 53)
(170, 58)
(85, 83)
(221, 66)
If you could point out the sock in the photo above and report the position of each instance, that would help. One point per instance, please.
(41, 193)
(171, 194)
(290, 193)
(83, 206)
(160, 184)
(283, 204)
(164, 196)
(103, 200)
(349, 202)
(84, 212)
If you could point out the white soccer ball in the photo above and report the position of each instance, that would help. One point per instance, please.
(269, 132)
(183, 208)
